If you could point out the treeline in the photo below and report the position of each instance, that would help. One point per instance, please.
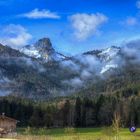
(75, 112)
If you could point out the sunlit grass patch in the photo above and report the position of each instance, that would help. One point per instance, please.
(76, 134)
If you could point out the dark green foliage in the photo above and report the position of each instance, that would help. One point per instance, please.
(78, 107)
(66, 113)
(74, 112)
(49, 116)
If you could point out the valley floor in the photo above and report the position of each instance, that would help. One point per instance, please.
(77, 134)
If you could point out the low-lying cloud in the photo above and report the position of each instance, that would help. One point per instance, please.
(89, 67)
(84, 67)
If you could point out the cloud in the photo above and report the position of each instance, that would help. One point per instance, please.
(130, 21)
(86, 25)
(84, 67)
(40, 14)
(14, 36)
(75, 82)
(138, 4)
(88, 69)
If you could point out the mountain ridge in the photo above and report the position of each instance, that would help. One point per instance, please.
(36, 77)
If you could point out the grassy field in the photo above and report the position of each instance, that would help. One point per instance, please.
(77, 134)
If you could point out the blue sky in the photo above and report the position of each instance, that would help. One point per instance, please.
(74, 26)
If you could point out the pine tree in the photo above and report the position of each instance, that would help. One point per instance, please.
(66, 113)
(77, 115)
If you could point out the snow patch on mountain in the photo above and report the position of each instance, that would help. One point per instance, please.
(109, 53)
(107, 67)
(31, 52)
(34, 53)
(43, 50)
(108, 57)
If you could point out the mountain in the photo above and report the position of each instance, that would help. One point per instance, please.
(39, 72)
(6, 51)
(107, 57)
(43, 50)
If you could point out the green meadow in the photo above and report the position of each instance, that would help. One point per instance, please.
(77, 134)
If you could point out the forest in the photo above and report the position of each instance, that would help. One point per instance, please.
(75, 111)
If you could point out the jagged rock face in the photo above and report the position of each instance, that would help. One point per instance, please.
(44, 44)
(43, 50)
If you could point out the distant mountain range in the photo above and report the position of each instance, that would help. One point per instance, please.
(39, 72)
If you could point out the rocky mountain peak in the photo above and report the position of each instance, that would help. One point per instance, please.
(43, 49)
(44, 44)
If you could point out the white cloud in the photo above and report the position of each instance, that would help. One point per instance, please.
(86, 25)
(40, 14)
(14, 36)
(138, 4)
(130, 21)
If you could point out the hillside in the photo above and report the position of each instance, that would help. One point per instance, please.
(39, 72)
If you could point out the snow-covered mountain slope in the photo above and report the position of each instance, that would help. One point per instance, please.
(107, 58)
(42, 50)
(108, 67)
(32, 52)
(109, 53)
